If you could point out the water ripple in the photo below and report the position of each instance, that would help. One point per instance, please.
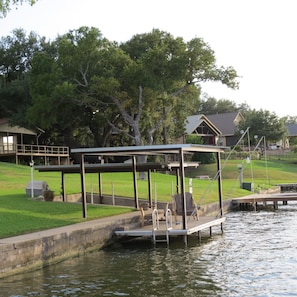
(256, 256)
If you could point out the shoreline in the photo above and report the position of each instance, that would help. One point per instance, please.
(37, 250)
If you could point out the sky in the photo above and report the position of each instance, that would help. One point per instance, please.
(256, 37)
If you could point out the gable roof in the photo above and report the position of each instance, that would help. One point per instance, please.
(226, 122)
(194, 121)
(292, 129)
(7, 128)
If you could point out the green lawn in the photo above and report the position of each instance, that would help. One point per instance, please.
(19, 214)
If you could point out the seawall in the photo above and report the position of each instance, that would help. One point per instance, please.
(39, 249)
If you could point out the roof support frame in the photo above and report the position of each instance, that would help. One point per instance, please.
(177, 149)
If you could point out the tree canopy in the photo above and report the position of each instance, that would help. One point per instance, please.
(16, 53)
(5, 5)
(263, 123)
(85, 90)
(143, 88)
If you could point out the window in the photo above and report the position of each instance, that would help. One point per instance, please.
(8, 143)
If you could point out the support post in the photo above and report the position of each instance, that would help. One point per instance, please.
(63, 193)
(182, 187)
(100, 187)
(32, 178)
(149, 179)
(177, 181)
(135, 182)
(83, 186)
(275, 205)
(220, 183)
(199, 236)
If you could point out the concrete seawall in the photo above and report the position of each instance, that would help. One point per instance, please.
(39, 249)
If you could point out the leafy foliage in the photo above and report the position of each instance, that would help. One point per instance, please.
(263, 123)
(141, 90)
(5, 5)
(203, 158)
(211, 105)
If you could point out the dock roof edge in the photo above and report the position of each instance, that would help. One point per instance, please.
(149, 149)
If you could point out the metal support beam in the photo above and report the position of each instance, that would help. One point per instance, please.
(83, 186)
(100, 187)
(135, 182)
(149, 179)
(182, 188)
(63, 192)
(219, 170)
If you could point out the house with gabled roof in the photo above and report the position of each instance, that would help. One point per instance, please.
(292, 134)
(227, 123)
(201, 126)
(21, 143)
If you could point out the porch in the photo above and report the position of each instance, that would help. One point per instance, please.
(56, 155)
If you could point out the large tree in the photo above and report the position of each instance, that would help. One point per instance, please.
(16, 53)
(143, 89)
(160, 83)
(210, 105)
(5, 5)
(263, 123)
(62, 89)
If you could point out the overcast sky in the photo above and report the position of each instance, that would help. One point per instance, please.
(256, 37)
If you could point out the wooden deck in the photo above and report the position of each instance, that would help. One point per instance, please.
(59, 153)
(161, 232)
(255, 200)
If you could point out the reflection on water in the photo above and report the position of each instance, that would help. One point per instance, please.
(256, 256)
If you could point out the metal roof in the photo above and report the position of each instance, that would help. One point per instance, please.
(149, 149)
(226, 122)
(194, 121)
(292, 129)
(112, 167)
(7, 128)
(97, 168)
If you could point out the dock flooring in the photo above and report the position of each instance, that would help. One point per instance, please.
(176, 229)
(255, 200)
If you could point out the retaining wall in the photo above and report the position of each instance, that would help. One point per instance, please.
(37, 250)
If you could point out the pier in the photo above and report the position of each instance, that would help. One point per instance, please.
(160, 229)
(255, 200)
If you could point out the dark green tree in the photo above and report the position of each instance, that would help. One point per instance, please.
(263, 123)
(6, 5)
(62, 92)
(16, 53)
(142, 90)
(210, 105)
(161, 82)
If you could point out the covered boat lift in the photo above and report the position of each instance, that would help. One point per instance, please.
(103, 168)
(178, 153)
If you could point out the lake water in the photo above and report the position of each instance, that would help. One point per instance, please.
(256, 256)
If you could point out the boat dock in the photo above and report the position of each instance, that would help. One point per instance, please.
(160, 230)
(255, 200)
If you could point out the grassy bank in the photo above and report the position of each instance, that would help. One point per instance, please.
(19, 214)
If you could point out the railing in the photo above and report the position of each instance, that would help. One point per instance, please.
(42, 150)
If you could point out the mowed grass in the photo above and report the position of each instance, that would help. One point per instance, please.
(19, 214)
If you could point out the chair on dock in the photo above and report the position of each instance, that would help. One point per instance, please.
(191, 206)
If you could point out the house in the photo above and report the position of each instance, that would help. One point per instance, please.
(21, 143)
(227, 123)
(10, 136)
(201, 126)
(292, 135)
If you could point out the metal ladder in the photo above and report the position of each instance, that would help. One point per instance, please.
(156, 225)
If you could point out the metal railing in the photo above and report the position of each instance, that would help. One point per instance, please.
(42, 150)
